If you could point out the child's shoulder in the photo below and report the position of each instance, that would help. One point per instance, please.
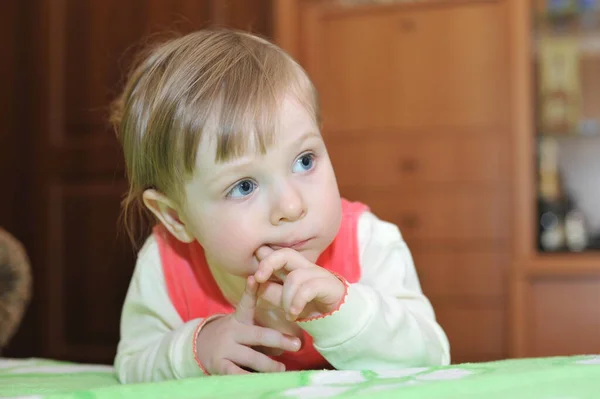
(371, 227)
(353, 207)
(148, 266)
(149, 250)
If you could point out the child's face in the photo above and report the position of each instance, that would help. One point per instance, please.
(286, 197)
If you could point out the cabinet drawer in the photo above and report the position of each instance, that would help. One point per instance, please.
(462, 274)
(476, 334)
(386, 162)
(440, 213)
(563, 316)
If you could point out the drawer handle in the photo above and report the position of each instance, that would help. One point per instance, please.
(409, 221)
(409, 165)
(407, 25)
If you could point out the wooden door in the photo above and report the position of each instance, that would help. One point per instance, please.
(80, 51)
(13, 144)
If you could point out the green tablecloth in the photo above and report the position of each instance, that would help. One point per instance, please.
(545, 378)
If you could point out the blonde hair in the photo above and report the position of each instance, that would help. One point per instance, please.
(221, 83)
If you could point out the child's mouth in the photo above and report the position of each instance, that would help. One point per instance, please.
(297, 245)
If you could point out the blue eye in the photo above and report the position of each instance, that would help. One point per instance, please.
(242, 189)
(304, 163)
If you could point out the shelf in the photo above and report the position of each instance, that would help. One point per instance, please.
(589, 44)
(573, 26)
(593, 133)
(564, 264)
(582, 20)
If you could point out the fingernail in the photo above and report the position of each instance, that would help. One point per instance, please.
(296, 344)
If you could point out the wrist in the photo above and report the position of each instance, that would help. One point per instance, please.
(343, 292)
(334, 306)
(197, 346)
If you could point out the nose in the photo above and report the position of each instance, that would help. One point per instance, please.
(287, 205)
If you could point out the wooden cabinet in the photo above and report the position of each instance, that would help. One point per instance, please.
(554, 296)
(416, 116)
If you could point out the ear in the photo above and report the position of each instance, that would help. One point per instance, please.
(164, 210)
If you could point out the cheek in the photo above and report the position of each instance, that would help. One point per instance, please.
(327, 199)
(332, 212)
(228, 234)
(329, 193)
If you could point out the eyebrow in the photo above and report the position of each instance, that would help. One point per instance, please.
(304, 137)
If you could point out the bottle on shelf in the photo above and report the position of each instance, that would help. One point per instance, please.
(560, 91)
(562, 226)
(551, 207)
(576, 236)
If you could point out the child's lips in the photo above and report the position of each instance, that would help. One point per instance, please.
(293, 244)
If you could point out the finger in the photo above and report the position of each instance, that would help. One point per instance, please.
(285, 259)
(263, 252)
(268, 267)
(246, 308)
(262, 336)
(295, 280)
(306, 293)
(271, 293)
(250, 358)
(227, 367)
(269, 351)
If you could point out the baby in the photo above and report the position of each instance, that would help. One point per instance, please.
(255, 263)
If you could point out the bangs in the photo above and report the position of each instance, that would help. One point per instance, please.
(247, 112)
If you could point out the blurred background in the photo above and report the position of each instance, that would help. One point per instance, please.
(472, 124)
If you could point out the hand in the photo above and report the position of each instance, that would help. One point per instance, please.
(225, 344)
(306, 291)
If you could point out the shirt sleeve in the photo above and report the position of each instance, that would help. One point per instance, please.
(385, 321)
(155, 343)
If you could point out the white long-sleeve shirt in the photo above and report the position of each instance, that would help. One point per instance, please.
(385, 322)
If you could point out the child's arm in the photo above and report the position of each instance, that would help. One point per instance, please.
(385, 322)
(157, 345)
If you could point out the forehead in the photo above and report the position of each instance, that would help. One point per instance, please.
(283, 123)
(293, 114)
